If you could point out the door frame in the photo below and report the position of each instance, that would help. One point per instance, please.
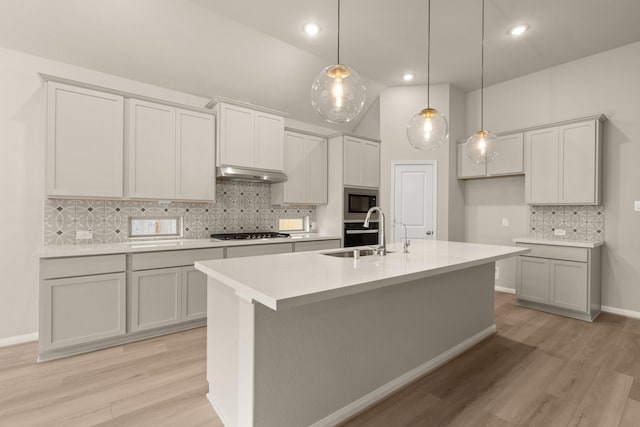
(433, 163)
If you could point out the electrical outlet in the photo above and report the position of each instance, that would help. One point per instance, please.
(84, 235)
(559, 232)
(636, 206)
(505, 222)
(497, 273)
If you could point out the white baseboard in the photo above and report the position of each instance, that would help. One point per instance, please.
(505, 290)
(621, 312)
(6, 342)
(216, 408)
(380, 393)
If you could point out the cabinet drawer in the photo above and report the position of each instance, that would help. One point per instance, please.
(556, 252)
(316, 245)
(81, 266)
(268, 249)
(179, 258)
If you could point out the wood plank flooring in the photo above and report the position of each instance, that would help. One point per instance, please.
(538, 370)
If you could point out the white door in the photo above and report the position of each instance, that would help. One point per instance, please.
(414, 200)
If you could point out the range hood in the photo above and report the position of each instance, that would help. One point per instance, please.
(250, 175)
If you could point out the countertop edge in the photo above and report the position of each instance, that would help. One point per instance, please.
(147, 246)
(290, 302)
(570, 243)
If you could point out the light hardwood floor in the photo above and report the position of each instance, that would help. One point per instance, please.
(538, 370)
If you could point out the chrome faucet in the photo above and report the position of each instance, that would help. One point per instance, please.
(381, 249)
(406, 241)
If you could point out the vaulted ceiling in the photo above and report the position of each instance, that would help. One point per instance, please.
(256, 51)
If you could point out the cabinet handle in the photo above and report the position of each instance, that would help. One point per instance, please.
(429, 233)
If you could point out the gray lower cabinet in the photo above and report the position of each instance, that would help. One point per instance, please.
(82, 300)
(165, 289)
(156, 298)
(194, 294)
(563, 280)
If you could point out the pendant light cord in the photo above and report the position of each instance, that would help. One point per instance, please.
(338, 31)
(482, 75)
(428, 53)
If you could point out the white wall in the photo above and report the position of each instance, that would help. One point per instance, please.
(397, 106)
(369, 124)
(22, 131)
(607, 83)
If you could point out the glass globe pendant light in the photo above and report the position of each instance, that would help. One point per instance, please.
(428, 129)
(483, 145)
(338, 93)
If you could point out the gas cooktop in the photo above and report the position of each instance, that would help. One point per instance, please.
(248, 236)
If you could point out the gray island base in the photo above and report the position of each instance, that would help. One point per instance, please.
(315, 339)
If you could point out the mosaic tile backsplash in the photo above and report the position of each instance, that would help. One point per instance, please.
(240, 206)
(579, 222)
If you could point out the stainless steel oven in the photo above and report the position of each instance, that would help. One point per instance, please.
(355, 234)
(357, 202)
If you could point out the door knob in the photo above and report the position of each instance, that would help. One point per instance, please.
(429, 233)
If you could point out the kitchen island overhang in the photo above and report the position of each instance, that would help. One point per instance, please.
(310, 339)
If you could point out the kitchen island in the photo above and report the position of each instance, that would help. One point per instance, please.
(311, 339)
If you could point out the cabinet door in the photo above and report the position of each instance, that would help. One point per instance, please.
(152, 150)
(370, 164)
(194, 294)
(541, 174)
(510, 159)
(569, 286)
(295, 167)
(84, 142)
(195, 156)
(352, 162)
(236, 132)
(578, 163)
(532, 281)
(269, 142)
(155, 298)
(316, 170)
(467, 168)
(79, 310)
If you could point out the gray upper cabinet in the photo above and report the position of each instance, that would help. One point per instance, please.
(151, 150)
(195, 156)
(563, 163)
(361, 162)
(170, 152)
(305, 163)
(84, 142)
(468, 168)
(249, 138)
(510, 160)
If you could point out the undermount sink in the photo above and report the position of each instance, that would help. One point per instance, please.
(350, 254)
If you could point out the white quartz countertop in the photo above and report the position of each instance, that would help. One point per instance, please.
(557, 242)
(167, 245)
(287, 280)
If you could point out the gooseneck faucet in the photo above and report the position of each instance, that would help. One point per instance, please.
(381, 249)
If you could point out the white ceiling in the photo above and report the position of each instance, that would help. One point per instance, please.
(255, 50)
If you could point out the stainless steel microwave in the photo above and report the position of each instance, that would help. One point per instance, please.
(357, 203)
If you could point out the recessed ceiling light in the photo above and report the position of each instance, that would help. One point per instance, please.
(311, 29)
(408, 77)
(518, 30)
